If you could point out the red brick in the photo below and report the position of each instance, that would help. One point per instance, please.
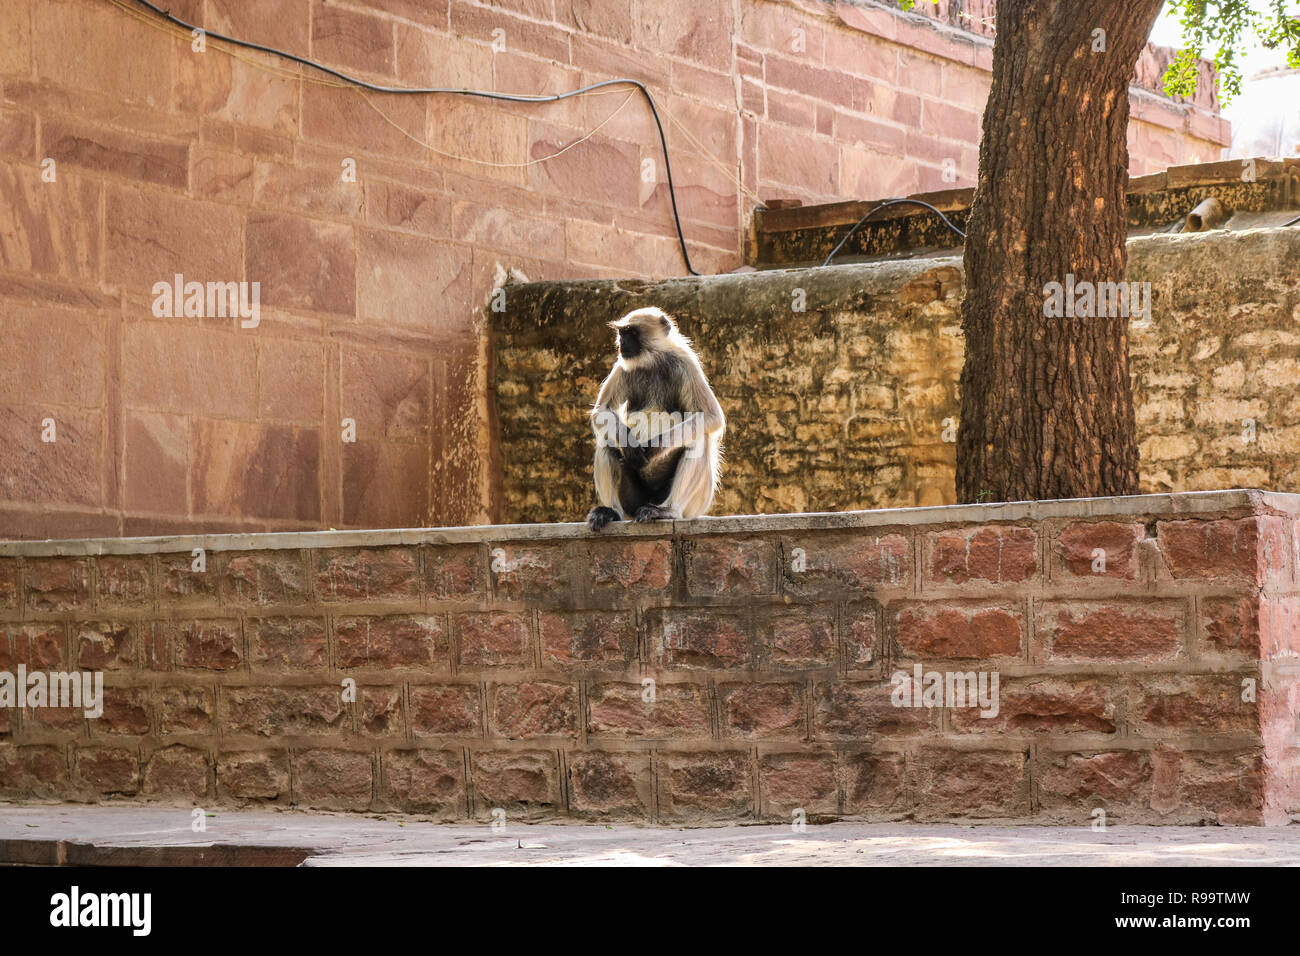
(180, 585)
(859, 630)
(1122, 631)
(67, 721)
(993, 554)
(380, 711)
(401, 641)
(253, 775)
(975, 784)
(1222, 787)
(492, 639)
(428, 781)
(36, 646)
(212, 645)
(577, 638)
(790, 782)
(1232, 625)
(850, 709)
(283, 711)
(1077, 542)
(1077, 782)
(27, 772)
(1253, 549)
(763, 711)
(529, 573)
(333, 779)
(623, 710)
(369, 574)
(534, 709)
(264, 578)
(1043, 706)
(288, 643)
(1200, 705)
(1279, 629)
(938, 631)
(108, 770)
(126, 711)
(185, 710)
(800, 638)
(456, 573)
(8, 583)
(446, 710)
(840, 565)
(701, 638)
(124, 582)
(177, 772)
(633, 567)
(611, 785)
(525, 784)
(712, 786)
(57, 584)
(730, 567)
(155, 648)
(874, 783)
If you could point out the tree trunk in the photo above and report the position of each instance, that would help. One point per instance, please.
(1046, 402)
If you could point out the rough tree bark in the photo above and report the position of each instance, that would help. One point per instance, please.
(1046, 403)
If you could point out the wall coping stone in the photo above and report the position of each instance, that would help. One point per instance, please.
(1179, 503)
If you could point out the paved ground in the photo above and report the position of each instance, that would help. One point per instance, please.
(132, 835)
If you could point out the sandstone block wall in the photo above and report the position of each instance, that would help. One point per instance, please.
(228, 169)
(507, 668)
(840, 384)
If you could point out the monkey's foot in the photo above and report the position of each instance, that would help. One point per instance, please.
(600, 516)
(654, 513)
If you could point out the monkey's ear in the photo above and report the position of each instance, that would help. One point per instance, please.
(667, 323)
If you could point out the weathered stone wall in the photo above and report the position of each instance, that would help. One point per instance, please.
(508, 667)
(851, 403)
(227, 168)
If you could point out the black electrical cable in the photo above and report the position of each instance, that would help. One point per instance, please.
(890, 202)
(484, 94)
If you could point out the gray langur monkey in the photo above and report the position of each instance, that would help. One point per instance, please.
(658, 427)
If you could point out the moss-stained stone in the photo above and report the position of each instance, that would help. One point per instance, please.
(840, 384)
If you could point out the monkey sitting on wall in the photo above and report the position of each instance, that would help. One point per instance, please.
(658, 427)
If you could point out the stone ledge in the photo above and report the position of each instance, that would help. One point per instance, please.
(1189, 503)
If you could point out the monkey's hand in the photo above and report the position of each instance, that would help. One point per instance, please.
(634, 456)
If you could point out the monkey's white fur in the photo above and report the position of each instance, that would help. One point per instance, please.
(666, 379)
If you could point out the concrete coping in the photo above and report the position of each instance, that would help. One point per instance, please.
(1177, 504)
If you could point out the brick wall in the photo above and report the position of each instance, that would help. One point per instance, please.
(852, 402)
(226, 168)
(509, 667)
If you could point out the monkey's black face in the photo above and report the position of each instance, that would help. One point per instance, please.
(629, 342)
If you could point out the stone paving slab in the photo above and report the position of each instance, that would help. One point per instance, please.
(162, 835)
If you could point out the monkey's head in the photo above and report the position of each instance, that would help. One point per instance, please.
(643, 333)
